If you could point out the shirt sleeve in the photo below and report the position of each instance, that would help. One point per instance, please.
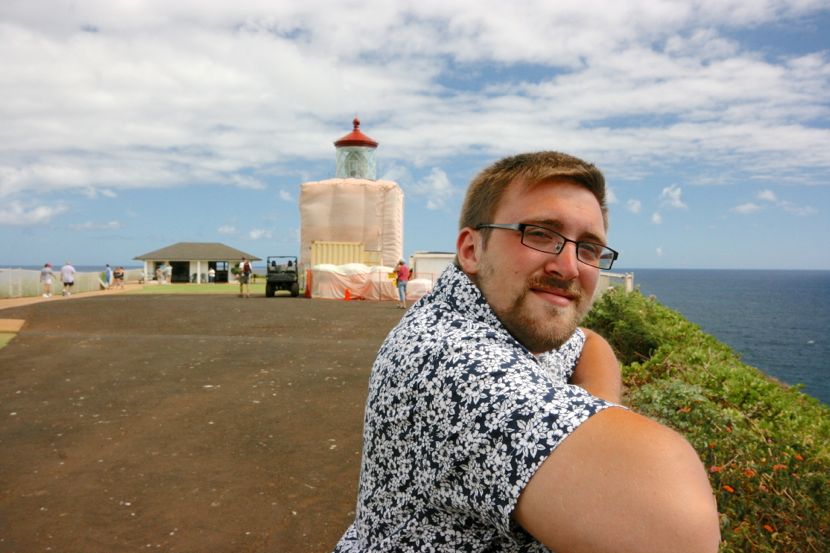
(502, 415)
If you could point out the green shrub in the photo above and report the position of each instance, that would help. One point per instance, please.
(766, 445)
(629, 329)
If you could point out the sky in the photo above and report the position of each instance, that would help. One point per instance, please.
(128, 126)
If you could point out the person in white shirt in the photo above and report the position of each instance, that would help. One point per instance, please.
(67, 278)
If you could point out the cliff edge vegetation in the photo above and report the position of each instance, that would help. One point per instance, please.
(765, 445)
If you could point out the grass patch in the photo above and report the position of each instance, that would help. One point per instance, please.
(6, 337)
(766, 445)
(257, 289)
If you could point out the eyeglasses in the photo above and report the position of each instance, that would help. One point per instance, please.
(549, 241)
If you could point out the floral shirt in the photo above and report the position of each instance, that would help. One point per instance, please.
(459, 417)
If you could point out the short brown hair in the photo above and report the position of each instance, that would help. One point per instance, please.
(486, 189)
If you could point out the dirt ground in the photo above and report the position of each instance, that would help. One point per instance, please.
(184, 423)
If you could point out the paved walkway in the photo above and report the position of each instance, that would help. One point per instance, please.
(6, 303)
(184, 423)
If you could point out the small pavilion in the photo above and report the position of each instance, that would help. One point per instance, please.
(191, 261)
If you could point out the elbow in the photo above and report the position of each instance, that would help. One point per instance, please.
(701, 530)
(690, 507)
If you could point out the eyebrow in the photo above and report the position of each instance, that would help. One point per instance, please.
(553, 224)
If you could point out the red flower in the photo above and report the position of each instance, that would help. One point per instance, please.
(769, 528)
(728, 488)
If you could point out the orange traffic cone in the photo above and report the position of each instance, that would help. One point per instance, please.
(348, 295)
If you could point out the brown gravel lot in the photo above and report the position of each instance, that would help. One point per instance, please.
(184, 423)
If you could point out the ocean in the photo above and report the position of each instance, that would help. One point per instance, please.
(778, 321)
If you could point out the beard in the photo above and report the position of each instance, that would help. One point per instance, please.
(537, 325)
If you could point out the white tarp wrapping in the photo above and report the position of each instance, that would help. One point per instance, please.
(362, 282)
(352, 210)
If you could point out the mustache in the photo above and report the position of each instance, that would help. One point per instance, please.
(569, 287)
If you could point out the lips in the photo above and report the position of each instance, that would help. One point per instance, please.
(555, 296)
(557, 292)
(552, 286)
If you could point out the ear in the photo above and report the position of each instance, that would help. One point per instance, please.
(468, 249)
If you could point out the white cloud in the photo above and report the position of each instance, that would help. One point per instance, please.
(244, 181)
(656, 218)
(91, 225)
(93, 193)
(801, 211)
(767, 196)
(226, 229)
(15, 213)
(286, 196)
(670, 196)
(397, 173)
(104, 96)
(259, 234)
(634, 206)
(659, 251)
(746, 208)
(436, 187)
(770, 197)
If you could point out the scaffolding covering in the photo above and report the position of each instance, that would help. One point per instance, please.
(353, 210)
(361, 282)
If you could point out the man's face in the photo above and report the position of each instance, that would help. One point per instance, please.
(539, 297)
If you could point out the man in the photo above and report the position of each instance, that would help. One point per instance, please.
(491, 422)
(244, 277)
(118, 276)
(402, 277)
(67, 278)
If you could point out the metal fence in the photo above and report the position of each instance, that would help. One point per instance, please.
(20, 283)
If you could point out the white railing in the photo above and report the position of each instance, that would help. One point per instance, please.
(614, 280)
(20, 283)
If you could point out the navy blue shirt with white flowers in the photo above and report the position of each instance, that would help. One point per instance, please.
(459, 417)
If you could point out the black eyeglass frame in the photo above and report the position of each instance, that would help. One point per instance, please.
(520, 227)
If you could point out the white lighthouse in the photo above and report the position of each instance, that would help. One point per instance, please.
(352, 218)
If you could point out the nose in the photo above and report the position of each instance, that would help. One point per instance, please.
(564, 264)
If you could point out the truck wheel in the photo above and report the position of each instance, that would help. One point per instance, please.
(269, 290)
(295, 290)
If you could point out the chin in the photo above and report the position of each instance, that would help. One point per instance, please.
(554, 329)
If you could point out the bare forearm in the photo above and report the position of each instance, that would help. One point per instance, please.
(598, 370)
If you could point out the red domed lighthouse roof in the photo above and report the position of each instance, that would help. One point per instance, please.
(356, 138)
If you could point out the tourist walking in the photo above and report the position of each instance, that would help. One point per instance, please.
(46, 278)
(401, 277)
(118, 277)
(67, 278)
(245, 271)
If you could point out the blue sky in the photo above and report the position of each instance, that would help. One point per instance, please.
(128, 126)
